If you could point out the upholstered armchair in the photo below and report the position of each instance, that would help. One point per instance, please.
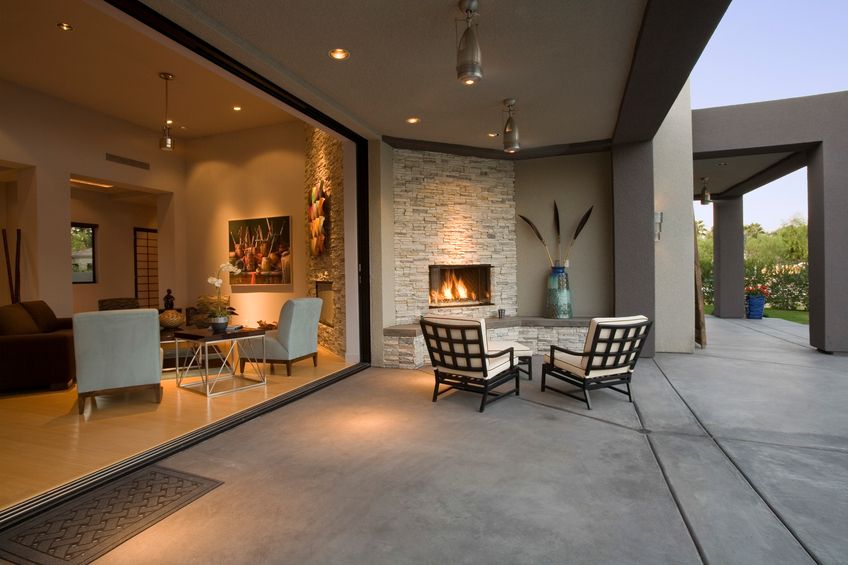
(295, 338)
(609, 356)
(117, 351)
(461, 359)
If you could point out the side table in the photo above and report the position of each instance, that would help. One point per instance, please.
(224, 349)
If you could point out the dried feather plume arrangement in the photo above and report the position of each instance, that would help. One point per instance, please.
(580, 225)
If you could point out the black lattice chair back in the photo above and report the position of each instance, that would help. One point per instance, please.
(615, 343)
(455, 344)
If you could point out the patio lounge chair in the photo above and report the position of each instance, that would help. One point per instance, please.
(460, 359)
(608, 358)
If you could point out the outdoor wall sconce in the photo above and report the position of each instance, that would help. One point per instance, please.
(658, 220)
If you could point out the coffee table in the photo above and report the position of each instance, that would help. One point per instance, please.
(204, 345)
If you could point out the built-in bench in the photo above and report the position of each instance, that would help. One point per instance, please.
(403, 345)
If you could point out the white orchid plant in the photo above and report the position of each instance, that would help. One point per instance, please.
(220, 308)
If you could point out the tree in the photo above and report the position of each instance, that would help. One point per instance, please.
(753, 230)
(81, 238)
(793, 234)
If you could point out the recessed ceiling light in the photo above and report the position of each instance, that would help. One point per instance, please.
(722, 164)
(237, 108)
(413, 120)
(183, 127)
(65, 26)
(339, 54)
(493, 134)
(169, 122)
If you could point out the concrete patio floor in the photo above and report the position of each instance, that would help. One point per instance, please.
(736, 454)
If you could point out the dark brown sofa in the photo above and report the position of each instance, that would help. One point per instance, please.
(36, 347)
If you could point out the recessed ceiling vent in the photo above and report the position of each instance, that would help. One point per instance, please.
(127, 161)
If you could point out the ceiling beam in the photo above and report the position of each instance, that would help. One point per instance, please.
(595, 146)
(780, 169)
(745, 151)
(671, 40)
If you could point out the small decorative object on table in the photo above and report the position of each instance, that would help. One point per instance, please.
(558, 299)
(170, 319)
(168, 300)
(755, 301)
(219, 310)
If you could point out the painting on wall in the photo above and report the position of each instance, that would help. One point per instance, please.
(261, 248)
(318, 216)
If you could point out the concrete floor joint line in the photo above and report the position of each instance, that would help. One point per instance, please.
(739, 469)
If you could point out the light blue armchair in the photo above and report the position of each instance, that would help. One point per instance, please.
(295, 338)
(117, 351)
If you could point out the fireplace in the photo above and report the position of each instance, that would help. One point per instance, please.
(460, 285)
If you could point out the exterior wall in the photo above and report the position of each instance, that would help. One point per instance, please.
(450, 209)
(575, 182)
(55, 139)
(381, 219)
(674, 330)
(254, 173)
(115, 260)
(729, 258)
(633, 215)
(325, 162)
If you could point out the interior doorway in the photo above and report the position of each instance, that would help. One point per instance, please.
(146, 245)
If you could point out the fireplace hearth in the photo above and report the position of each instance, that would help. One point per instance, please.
(460, 285)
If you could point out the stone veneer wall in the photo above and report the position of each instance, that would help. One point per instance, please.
(324, 161)
(408, 352)
(452, 210)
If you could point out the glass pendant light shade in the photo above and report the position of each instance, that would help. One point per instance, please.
(166, 142)
(469, 67)
(510, 131)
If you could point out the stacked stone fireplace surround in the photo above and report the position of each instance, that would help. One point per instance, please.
(456, 210)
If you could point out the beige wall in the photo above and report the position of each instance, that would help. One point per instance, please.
(575, 182)
(57, 139)
(248, 174)
(675, 283)
(114, 245)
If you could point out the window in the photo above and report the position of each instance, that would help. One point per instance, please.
(146, 267)
(83, 253)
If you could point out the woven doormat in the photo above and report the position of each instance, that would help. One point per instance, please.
(83, 529)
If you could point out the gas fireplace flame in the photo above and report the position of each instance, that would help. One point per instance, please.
(453, 289)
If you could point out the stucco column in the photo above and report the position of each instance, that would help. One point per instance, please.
(729, 258)
(633, 227)
(827, 197)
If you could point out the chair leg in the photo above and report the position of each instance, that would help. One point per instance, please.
(436, 391)
(81, 404)
(159, 392)
(586, 394)
(272, 368)
(288, 368)
(315, 359)
(242, 362)
(629, 396)
(517, 385)
(544, 374)
(485, 395)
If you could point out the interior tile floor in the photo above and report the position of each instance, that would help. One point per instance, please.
(735, 454)
(45, 443)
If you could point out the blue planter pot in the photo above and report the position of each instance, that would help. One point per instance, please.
(754, 307)
(558, 300)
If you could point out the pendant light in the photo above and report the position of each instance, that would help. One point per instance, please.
(469, 69)
(510, 131)
(166, 142)
(705, 195)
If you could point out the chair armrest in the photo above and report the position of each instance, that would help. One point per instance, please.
(503, 352)
(566, 350)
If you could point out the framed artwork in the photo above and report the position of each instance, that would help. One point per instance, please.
(261, 248)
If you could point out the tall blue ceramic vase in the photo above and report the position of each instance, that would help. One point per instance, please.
(754, 307)
(558, 303)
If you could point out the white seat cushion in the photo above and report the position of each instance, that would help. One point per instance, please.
(519, 349)
(571, 363)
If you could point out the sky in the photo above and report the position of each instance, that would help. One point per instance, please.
(767, 50)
